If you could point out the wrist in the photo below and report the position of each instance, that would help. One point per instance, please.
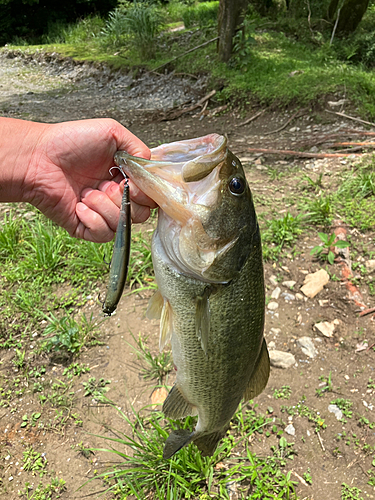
(19, 141)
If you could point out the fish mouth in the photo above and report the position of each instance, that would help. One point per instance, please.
(179, 175)
(183, 178)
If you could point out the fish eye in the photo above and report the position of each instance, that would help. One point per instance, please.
(236, 185)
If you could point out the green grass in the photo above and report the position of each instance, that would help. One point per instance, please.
(37, 258)
(262, 72)
(141, 471)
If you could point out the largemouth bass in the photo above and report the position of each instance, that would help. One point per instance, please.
(207, 259)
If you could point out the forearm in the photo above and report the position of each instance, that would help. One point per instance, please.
(19, 141)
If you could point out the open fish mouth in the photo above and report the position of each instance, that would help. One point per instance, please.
(171, 175)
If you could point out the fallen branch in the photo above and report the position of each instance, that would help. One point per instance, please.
(300, 154)
(367, 311)
(180, 112)
(350, 117)
(214, 111)
(251, 119)
(295, 115)
(185, 53)
(357, 144)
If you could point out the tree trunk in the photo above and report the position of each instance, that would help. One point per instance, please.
(350, 14)
(332, 9)
(231, 13)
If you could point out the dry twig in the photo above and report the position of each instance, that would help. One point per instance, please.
(185, 53)
(300, 154)
(176, 114)
(252, 118)
(350, 117)
(297, 114)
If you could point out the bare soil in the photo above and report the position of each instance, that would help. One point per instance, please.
(50, 89)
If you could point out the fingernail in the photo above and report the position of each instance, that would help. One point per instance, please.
(81, 207)
(86, 192)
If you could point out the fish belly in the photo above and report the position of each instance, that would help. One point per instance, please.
(213, 382)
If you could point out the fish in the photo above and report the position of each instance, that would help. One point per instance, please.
(207, 259)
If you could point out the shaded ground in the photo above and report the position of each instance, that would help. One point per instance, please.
(340, 453)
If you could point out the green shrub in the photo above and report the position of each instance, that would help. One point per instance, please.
(203, 14)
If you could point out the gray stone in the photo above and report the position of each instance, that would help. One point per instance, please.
(281, 359)
(272, 306)
(289, 429)
(307, 346)
(289, 284)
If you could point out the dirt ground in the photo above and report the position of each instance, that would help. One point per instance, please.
(53, 90)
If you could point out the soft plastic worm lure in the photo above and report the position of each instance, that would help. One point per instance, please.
(121, 253)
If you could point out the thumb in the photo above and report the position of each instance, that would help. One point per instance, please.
(128, 142)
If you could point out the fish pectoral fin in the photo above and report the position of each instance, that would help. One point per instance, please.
(177, 440)
(176, 406)
(203, 318)
(166, 326)
(155, 306)
(259, 377)
(207, 444)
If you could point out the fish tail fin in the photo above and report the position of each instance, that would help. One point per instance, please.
(177, 440)
(208, 442)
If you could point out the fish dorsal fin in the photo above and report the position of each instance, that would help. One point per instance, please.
(203, 318)
(155, 306)
(176, 406)
(259, 377)
(166, 326)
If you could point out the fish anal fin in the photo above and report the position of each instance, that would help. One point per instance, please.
(166, 326)
(176, 406)
(259, 377)
(177, 440)
(207, 443)
(155, 306)
(202, 319)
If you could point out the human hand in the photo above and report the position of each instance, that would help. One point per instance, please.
(68, 177)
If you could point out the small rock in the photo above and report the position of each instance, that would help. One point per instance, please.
(289, 284)
(275, 331)
(258, 161)
(336, 411)
(159, 395)
(289, 429)
(273, 280)
(276, 293)
(370, 265)
(271, 345)
(323, 302)
(307, 346)
(367, 405)
(281, 359)
(326, 328)
(288, 296)
(314, 283)
(272, 306)
(299, 296)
